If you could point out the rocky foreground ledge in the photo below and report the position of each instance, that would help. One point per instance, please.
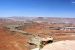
(61, 45)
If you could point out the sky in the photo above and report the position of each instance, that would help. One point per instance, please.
(37, 8)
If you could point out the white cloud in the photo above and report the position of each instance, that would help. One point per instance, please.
(73, 2)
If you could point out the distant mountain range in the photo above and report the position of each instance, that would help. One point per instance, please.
(42, 19)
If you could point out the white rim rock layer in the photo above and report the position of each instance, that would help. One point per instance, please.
(61, 45)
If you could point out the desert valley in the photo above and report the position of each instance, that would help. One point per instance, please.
(16, 32)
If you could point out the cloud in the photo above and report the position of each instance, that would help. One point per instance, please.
(73, 2)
